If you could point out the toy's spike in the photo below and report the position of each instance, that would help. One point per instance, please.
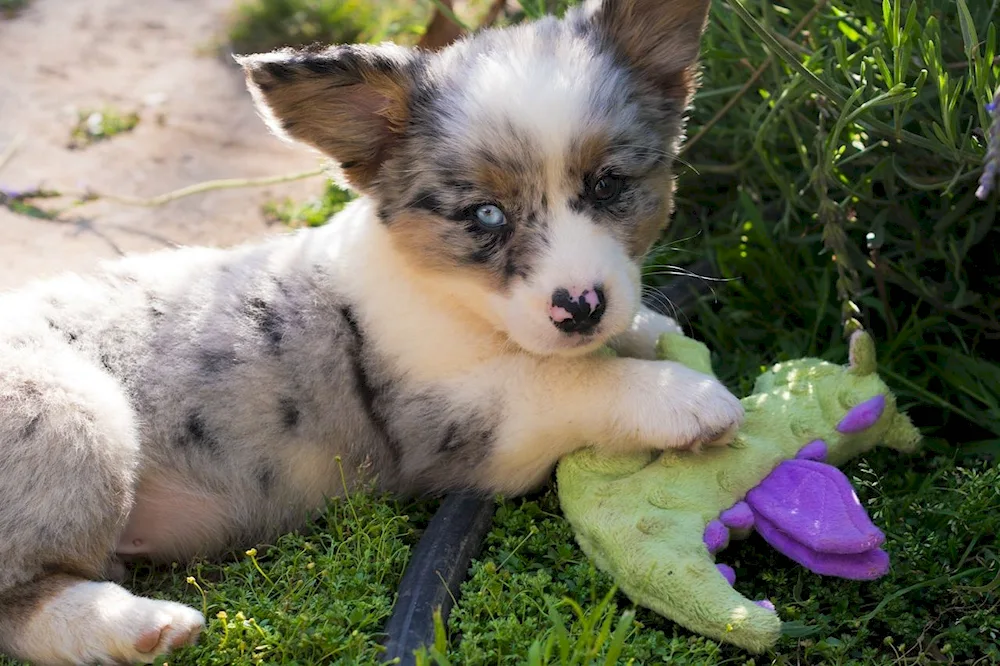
(902, 435)
(862, 354)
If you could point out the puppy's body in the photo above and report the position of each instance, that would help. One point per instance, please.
(435, 335)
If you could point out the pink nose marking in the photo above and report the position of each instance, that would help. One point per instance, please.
(576, 295)
(558, 314)
(588, 296)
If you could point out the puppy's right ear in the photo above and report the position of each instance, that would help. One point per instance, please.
(349, 102)
(660, 39)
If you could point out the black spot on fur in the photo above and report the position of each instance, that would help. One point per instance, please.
(471, 439)
(511, 269)
(428, 201)
(106, 362)
(265, 476)
(197, 435)
(32, 427)
(70, 337)
(290, 414)
(448, 442)
(155, 306)
(216, 361)
(367, 390)
(270, 323)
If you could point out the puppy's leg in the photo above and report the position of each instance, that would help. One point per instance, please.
(553, 406)
(70, 454)
(628, 403)
(62, 619)
(639, 341)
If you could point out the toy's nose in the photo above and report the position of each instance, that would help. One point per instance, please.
(577, 310)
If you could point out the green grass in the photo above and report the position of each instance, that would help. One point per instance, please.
(841, 186)
(262, 25)
(311, 213)
(938, 604)
(317, 597)
(93, 125)
(10, 8)
(323, 596)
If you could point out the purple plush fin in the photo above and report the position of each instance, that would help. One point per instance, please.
(738, 517)
(727, 573)
(716, 536)
(765, 603)
(862, 416)
(814, 504)
(869, 565)
(814, 450)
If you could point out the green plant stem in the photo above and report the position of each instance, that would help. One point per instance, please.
(806, 20)
(835, 97)
(87, 196)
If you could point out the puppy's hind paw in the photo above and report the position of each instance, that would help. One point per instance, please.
(159, 627)
(89, 622)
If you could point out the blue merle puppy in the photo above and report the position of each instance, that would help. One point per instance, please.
(438, 334)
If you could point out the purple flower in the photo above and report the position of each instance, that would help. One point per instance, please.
(991, 164)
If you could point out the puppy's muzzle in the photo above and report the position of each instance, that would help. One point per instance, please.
(577, 310)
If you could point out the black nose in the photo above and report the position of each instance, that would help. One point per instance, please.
(577, 311)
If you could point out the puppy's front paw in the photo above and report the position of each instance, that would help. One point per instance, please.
(710, 416)
(679, 408)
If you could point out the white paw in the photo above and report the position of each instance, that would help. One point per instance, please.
(90, 622)
(154, 628)
(674, 407)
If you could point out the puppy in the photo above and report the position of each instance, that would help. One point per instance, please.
(438, 334)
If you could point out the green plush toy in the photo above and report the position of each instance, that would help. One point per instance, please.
(655, 522)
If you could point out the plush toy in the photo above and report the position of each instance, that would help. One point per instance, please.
(655, 523)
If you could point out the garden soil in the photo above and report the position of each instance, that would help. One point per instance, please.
(159, 57)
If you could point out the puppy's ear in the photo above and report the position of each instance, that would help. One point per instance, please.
(349, 102)
(659, 38)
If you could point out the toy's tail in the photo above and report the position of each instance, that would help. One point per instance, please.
(696, 594)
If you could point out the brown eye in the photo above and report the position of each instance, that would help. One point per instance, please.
(606, 189)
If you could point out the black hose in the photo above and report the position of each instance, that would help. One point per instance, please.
(436, 569)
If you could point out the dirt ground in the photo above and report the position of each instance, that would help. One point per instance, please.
(155, 56)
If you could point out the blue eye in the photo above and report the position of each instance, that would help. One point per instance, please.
(490, 217)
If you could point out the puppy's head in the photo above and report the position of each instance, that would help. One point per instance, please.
(526, 170)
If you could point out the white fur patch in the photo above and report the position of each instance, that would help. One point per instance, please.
(580, 255)
(542, 89)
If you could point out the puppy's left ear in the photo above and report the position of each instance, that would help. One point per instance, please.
(349, 102)
(658, 38)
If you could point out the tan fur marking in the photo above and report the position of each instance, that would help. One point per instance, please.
(504, 184)
(355, 123)
(589, 156)
(420, 236)
(647, 230)
(23, 602)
